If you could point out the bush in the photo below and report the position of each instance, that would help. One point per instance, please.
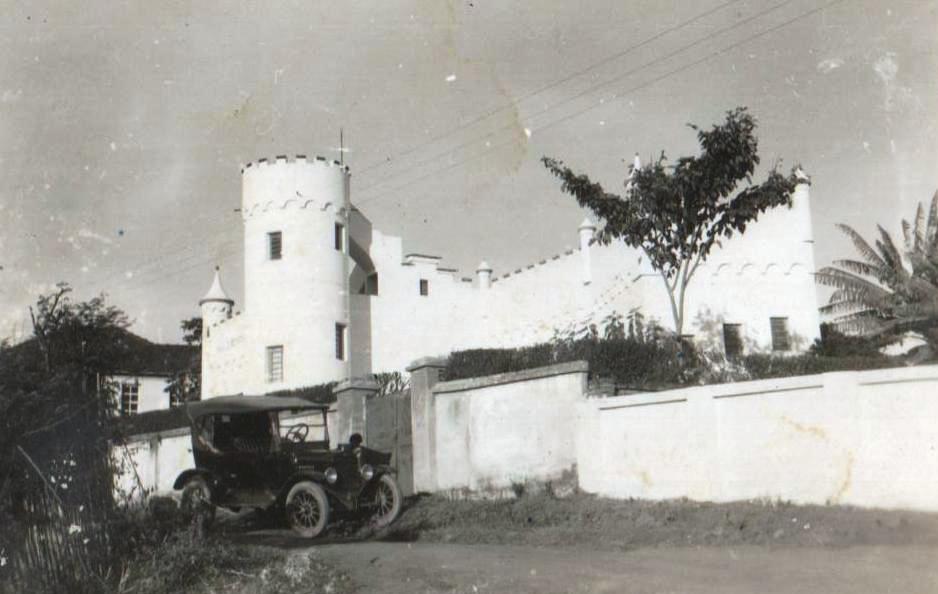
(766, 366)
(321, 393)
(834, 343)
(653, 364)
(630, 362)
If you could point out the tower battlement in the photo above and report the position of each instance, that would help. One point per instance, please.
(280, 159)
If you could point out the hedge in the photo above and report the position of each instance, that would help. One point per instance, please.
(652, 365)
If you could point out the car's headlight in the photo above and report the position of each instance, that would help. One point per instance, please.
(367, 472)
(331, 475)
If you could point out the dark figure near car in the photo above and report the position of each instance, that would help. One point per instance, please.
(356, 440)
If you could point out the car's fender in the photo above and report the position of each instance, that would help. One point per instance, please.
(384, 469)
(303, 475)
(185, 475)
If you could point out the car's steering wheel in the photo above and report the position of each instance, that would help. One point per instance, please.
(297, 433)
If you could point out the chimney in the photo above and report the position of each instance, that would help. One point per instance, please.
(484, 274)
(587, 232)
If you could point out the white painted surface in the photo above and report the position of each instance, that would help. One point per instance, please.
(861, 438)
(152, 462)
(296, 301)
(489, 437)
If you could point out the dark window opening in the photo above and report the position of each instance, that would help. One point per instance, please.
(340, 342)
(371, 284)
(424, 287)
(781, 340)
(274, 363)
(733, 340)
(275, 245)
(340, 237)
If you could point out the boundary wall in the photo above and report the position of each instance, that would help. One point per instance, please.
(863, 438)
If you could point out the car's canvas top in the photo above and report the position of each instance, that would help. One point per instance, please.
(224, 405)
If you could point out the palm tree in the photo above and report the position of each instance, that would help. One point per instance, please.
(887, 292)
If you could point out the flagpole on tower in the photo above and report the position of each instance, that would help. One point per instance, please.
(341, 146)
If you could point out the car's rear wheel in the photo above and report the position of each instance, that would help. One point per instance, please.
(196, 502)
(387, 501)
(307, 509)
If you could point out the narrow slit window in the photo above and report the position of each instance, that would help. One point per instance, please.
(424, 287)
(340, 237)
(340, 342)
(781, 339)
(274, 363)
(275, 245)
(733, 340)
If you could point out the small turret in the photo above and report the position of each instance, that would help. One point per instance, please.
(216, 305)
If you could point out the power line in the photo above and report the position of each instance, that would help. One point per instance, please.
(484, 116)
(619, 95)
(576, 74)
(567, 117)
(589, 90)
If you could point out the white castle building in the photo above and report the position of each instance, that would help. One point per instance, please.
(327, 297)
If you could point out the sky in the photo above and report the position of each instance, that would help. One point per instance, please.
(123, 125)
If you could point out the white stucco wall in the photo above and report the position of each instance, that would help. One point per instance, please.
(511, 428)
(860, 438)
(296, 301)
(158, 459)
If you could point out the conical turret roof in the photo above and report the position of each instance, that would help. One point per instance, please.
(216, 292)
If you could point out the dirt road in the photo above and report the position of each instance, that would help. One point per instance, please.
(393, 568)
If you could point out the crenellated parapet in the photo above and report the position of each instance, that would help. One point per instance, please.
(279, 159)
(297, 182)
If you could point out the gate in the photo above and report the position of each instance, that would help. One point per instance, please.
(387, 428)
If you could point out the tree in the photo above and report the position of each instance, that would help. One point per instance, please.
(186, 384)
(51, 406)
(677, 213)
(887, 292)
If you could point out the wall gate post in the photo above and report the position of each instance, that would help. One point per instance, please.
(351, 396)
(424, 373)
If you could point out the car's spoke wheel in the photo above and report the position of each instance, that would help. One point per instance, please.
(387, 501)
(196, 502)
(307, 509)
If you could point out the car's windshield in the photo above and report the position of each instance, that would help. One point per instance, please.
(292, 426)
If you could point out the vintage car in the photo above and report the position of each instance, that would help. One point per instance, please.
(269, 452)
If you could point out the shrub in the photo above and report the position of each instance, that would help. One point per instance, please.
(629, 361)
(834, 343)
(653, 364)
(319, 393)
(766, 366)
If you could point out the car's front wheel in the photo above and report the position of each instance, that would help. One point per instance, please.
(387, 501)
(307, 509)
(196, 501)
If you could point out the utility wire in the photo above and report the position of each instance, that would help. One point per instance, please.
(514, 103)
(568, 117)
(477, 119)
(628, 73)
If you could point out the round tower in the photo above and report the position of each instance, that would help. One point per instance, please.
(216, 305)
(296, 267)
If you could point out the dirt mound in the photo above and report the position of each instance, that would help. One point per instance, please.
(543, 520)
